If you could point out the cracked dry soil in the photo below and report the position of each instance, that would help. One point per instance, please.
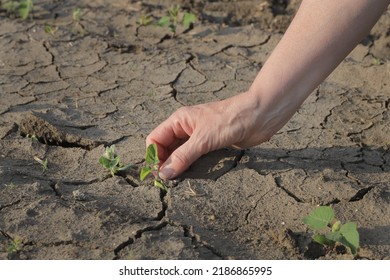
(106, 80)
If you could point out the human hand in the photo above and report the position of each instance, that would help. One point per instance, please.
(318, 39)
(193, 131)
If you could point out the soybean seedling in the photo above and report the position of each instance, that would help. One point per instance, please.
(145, 20)
(111, 161)
(50, 29)
(33, 137)
(15, 246)
(10, 185)
(173, 19)
(78, 27)
(21, 8)
(151, 167)
(76, 14)
(322, 218)
(42, 162)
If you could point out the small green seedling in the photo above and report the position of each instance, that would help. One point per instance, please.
(175, 17)
(76, 14)
(111, 161)
(151, 167)
(21, 8)
(33, 137)
(10, 185)
(50, 29)
(346, 234)
(145, 20)
(15, 246)
(42, 162)
(78, 27)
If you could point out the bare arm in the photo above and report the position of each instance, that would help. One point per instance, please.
(318, 39)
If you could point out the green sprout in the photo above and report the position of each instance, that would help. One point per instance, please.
(14, 246)
(346, 234)
(173, 19)
(21, 8)
(76, 14)
(145, 20)
(32, 137)
(152, 165)
(42, 162)
(111, 161)
(50, 29)
(10, 185)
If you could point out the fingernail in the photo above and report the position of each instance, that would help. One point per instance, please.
(166, 172)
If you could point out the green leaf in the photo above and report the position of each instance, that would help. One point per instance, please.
(320, 238)
(164, 21)
(188, 19)
(319, 218)
(44, 166)
(151, 154)
(114, 162)
(76, 14)
(145, 171)
(51, 30)
(25, 8)
(145, 20)
(174, 11)
(351, 236)
(110, 152)
(11, 6)
(161, 185)
(105, 162)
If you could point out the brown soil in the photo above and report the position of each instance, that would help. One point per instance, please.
(104, 79)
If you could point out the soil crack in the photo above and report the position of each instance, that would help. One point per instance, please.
(279, 185)
(9, 204)
(360, 194)
(197, 242)
(138, 235)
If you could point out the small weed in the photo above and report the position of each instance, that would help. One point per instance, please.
(42, 162)
(151, 167)
(377, 61)
(346, 234)
(175, 17)
(50, 29)
(33, 138)
(10, 185)
(22, 8)
(111, 161)
(145, 20)
(76, 14)
(15, 246)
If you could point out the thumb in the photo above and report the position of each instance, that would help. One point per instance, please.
(181, 159)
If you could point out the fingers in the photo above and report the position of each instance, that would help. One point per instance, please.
(181, 159)
(169, 135)
(177, 143)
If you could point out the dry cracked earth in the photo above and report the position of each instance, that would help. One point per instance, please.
(103, 79)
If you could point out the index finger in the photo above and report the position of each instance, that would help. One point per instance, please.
(168, 136)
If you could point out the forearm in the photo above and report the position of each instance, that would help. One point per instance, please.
(318, 39)
(320, 36)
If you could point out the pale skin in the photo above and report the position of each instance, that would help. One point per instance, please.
(320, 36)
